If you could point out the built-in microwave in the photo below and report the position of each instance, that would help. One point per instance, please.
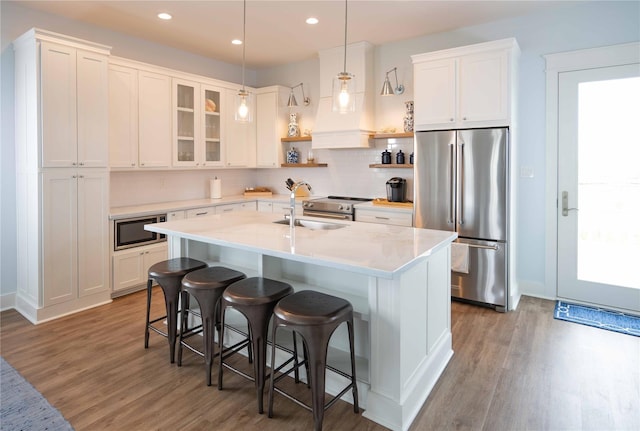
(129, 232)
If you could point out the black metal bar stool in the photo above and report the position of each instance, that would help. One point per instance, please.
(168, 274)
(255, 298)
(315, 316)
(206, 286)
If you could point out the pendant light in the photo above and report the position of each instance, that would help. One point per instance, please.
(344, 85)
(244, 98)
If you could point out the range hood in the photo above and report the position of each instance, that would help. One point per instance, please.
(351, 130)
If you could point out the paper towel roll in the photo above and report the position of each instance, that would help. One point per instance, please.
(215, 188)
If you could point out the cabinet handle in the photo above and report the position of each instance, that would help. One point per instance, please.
(382, 218)
(199, 214)
(133, 164)
(227, 210)
(451, 119)
(141, 164)
(464, 118)
(80, 176)
(141, 253)
(81, 163)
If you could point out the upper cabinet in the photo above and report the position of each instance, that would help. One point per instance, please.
(239, 137)
(139, 118)
(196, 124)
(271, 125)
(72, 83)
(470, 86)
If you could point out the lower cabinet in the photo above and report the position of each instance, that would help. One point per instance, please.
(384, 217)
(130, 267)
(243, 206)
(200, 212)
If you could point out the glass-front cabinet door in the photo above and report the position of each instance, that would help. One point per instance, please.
(185, 103)
(197, 134)
(211, 102)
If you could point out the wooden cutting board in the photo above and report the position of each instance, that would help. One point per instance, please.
(386, 203)
(258, 191)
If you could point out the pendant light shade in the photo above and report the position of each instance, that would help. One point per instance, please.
(244, 99)
(344, 84)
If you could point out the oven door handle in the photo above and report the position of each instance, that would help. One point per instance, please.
(326, 215)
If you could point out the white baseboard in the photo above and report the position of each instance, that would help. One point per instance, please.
(7, 301)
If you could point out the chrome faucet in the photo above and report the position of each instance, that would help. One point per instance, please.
(292, 206)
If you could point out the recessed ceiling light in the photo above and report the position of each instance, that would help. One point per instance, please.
(164, 15)
(312, 20)
(236, 42)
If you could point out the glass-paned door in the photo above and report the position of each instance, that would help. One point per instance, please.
(185, 123)
(212, 126)
(599, 186)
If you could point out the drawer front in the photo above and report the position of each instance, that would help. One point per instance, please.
(384, 217)
(200, 212)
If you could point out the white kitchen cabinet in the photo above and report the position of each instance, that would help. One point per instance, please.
(239, 137)
(75, 237)
(131, 266)
(73, 95)
(470, 86)
(61, 176)
(381, 216)
(123, 117)
(197, 129)
(176, 215)
(265, 207)
(139, 117)
(241, 206)
(200, 212)
(154, 120)
(271, 125)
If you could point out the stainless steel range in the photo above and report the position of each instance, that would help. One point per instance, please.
(335, 207)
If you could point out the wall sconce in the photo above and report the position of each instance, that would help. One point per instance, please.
(292, 98)
(387, 90)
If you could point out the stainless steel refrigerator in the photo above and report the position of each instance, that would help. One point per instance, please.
(461, 184)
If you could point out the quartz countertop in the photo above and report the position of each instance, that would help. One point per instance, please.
(164, 207)
(367, 248)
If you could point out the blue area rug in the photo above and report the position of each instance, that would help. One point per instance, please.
(598, 318)
(23, 408)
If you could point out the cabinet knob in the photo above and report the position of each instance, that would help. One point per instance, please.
(451, 119)
(73, 163)
(81, 163)
(141, 164)
(133, 164)
(464, 118)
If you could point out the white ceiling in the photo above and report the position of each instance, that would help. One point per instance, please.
(276, 32)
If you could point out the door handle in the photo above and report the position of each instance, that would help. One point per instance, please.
(565, 204)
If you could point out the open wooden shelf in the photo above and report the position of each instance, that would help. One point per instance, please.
(391, 165)
(391, 135)
(304, 165)
(296, 139)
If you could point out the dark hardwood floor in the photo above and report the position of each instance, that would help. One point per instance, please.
(516, 371)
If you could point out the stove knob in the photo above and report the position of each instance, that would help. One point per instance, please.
(308, 205)
(340, 208)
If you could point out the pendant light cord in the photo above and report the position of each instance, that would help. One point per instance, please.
(345, 37)
(244, 37)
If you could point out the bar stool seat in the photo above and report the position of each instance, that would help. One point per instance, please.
(314, 316)
(168, 274)
(255, 298)
(206, 286)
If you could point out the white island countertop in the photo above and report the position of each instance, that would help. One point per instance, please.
(397, 278)
(366, 248)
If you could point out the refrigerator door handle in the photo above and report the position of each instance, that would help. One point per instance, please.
(460, 172)
(488, 247)
(452, 185)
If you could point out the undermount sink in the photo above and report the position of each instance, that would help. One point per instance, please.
(313, 224)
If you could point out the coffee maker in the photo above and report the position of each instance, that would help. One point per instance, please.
(396, 189)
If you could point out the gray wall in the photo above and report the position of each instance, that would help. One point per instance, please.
(586, 25)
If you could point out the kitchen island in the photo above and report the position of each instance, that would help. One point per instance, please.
(397, 279)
